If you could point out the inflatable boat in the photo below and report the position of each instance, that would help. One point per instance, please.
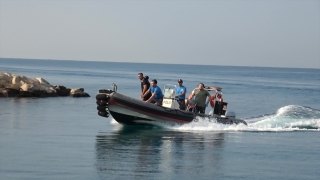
(130, 111)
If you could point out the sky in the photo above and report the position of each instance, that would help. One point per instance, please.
(261, 33)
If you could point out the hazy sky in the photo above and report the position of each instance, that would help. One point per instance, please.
(272, 33)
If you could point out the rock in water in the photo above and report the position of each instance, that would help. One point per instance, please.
(12, 85)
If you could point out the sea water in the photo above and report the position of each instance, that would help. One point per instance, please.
(64, 138)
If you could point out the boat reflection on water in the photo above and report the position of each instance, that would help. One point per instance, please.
(146, 151)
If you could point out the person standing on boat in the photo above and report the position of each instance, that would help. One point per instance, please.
(145, 85)
(216, 97)
(181, 93)
(200, 95)
(156, 93)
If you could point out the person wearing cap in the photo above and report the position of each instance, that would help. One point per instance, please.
(200, 95)
(156, 93)
(181, 94)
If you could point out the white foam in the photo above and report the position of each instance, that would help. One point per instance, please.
(113, 121)
(287, 118)
(205, 124)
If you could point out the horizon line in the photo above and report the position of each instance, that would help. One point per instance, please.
(159, 63)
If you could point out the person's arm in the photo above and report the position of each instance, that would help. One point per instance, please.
(143, 95)
(145, 89)
(191, 95)
(209, 96)
(153, 94)
(182, 93)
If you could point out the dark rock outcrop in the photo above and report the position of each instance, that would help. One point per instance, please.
(62, 90)
(12, 85)
(78, 92)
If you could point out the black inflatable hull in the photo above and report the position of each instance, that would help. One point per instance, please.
(130, 111)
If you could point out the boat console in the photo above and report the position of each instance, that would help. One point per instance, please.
(169, 97)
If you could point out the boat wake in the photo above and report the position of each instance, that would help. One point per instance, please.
(287, 118)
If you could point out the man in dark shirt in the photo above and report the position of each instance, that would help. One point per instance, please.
(145, 85)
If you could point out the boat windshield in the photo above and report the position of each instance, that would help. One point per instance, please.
(169, 91)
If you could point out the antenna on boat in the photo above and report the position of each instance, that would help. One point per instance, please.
(114, 87)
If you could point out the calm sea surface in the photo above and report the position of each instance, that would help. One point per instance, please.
(64, 138)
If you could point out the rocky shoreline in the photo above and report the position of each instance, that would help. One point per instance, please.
(13, 85)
